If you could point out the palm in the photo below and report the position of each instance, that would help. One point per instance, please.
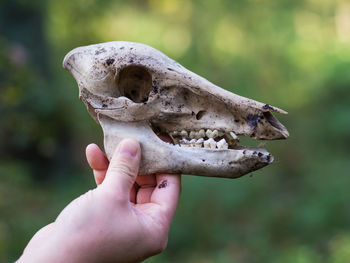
(127, 212)
(147, 194)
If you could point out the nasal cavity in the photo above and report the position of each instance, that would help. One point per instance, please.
(200, 114)
(135, 83)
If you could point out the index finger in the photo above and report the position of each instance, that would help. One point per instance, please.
(167, 193)
(97, 161)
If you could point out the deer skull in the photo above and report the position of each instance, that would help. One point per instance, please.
(135, 91)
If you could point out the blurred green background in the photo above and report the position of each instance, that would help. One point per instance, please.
(292, 54)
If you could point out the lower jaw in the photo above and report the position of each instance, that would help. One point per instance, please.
(161, 157)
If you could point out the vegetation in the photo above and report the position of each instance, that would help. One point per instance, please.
(291, 54)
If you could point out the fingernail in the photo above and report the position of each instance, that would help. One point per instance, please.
(128, 147)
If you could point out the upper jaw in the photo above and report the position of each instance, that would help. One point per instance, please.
(245, 116)
(256, 123)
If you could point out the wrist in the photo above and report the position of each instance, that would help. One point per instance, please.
(52, 245)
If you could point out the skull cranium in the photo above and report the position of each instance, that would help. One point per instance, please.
(133, 90)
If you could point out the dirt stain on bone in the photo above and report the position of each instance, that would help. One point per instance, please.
(268, 107)
(109, 61)
(252, 120)
(163, 184)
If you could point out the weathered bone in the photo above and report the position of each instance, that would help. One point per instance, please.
(135, 91)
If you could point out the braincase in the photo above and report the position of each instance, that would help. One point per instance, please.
(125, 69)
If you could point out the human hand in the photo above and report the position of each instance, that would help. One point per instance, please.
(125, 219)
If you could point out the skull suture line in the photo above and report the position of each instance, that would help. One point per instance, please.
(135, 91)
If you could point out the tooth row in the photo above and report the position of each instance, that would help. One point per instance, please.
(210, 143)
(202, 134)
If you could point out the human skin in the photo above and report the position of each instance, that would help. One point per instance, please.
(126, 218)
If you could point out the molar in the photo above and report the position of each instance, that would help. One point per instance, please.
(184, 134)
(201, 133)
(222, 144)
(192, 142)
(215, 134)
(199, 142)
(210, 143)
(185, 143)
(193, 134)
(208, 133)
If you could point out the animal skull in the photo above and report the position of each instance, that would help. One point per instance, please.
(133, 90)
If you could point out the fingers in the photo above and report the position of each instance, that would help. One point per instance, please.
(123, 168)
(167, 193)
(146, 184)
(97, 161)
(133, 193)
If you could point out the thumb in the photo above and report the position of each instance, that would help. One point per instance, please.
(123, 168)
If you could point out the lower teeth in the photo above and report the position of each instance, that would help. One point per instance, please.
(196, 139)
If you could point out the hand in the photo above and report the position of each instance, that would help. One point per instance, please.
(125, 219)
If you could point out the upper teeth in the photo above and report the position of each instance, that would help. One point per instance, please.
(184, 133)
(205, 138)
(234, 136)
(193, 134)
(208, 133)
(201, 133)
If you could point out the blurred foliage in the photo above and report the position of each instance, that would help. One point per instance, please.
(294, 54)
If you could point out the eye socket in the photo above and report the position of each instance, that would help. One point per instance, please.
(135, 83)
